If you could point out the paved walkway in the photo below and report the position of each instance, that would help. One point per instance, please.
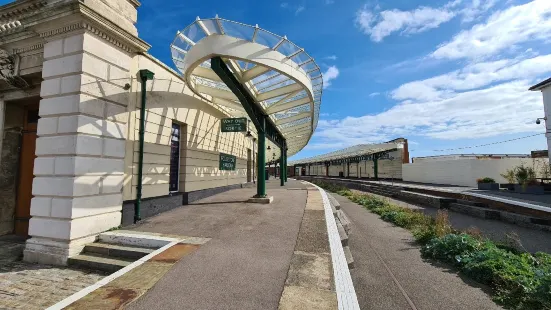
(244, 265)
(389, 272)
(34, 286)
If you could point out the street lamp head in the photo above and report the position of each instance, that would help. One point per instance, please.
(538, 120)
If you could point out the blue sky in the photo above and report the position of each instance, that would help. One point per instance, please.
(443, 74)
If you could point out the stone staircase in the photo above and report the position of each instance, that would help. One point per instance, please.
(110, 254)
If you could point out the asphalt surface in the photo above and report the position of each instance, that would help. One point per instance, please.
(389, 272)
(245, 264)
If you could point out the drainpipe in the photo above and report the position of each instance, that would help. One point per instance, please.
(145, 75)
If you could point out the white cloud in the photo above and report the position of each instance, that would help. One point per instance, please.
(284, 5)
(329, 1)
(332, 57)
(502, 109)
(374, 94)
(329, 75)
(473, 76)
(475, 8)
(407, 22)
(299, 9)
(504, 29)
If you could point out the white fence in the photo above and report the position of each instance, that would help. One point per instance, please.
(464, 172)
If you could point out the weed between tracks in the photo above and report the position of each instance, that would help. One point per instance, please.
(519, 280)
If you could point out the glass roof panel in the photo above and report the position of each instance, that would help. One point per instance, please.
(266, 38)
(273, 86)
(237, 30)
(300, 58)
(287, 48)
(309, 66)
(181, 43)
(211, 25)
(276, 78)
(194, 32)
(300, 109)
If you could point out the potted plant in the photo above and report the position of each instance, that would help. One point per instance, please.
(509, 175)
(527, 183)
(488, 184)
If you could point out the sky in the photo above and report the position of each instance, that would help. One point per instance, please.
(445, 74)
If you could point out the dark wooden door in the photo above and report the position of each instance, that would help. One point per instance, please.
(26, 166)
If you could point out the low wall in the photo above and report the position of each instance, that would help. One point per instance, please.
(464, 172)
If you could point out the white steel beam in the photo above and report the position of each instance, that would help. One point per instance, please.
(216, 92)
(275, 108)
(279, 91)
(254, 72)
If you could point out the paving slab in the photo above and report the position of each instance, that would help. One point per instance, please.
(244, 265)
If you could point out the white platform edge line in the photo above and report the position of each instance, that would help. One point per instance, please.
(513, 202)
(346, 294)
(87, 290)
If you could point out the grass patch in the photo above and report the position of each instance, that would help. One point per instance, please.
(519, 280)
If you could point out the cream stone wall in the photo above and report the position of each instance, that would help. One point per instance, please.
(465, 172)
(80, 150)
(168, 101)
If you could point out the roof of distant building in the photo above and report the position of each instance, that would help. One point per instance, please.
(541, 85)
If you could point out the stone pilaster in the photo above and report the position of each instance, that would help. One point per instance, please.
(2, 113)
(80, 149)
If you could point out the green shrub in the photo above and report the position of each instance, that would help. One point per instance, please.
(451, 248)
(485, 180)
(424, 234)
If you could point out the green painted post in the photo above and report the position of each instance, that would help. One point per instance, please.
(281, 164)
(261, 185)
(285, 166)
(376, 167)
(145, 75)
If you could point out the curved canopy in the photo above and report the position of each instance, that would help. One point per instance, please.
(282, 78)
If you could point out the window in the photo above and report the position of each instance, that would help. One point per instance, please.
(174, 157)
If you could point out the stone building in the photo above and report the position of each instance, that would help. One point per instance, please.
(70, 98)
(378, 161)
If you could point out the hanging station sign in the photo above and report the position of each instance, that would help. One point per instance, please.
(234, 124)
(227, 162)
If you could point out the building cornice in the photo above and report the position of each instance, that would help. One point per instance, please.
(17, 10)
(81, 18)
(30, 48)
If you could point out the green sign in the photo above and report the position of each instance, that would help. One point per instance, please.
(227, 162)
(234, 124)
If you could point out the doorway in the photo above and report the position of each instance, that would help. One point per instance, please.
(26, 167)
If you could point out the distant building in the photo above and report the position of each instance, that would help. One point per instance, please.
(467, 156)
(540, 154)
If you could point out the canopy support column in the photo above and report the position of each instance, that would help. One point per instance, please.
(261, 185)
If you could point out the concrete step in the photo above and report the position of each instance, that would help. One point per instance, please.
(132, 238)
(98, 262)
(484, 213)
(342, 234)
(333, 201)
(349, 258)
(117, 251)
(344, 221)
(472, 203)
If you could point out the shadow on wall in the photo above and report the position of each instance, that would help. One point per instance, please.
(166, 101)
